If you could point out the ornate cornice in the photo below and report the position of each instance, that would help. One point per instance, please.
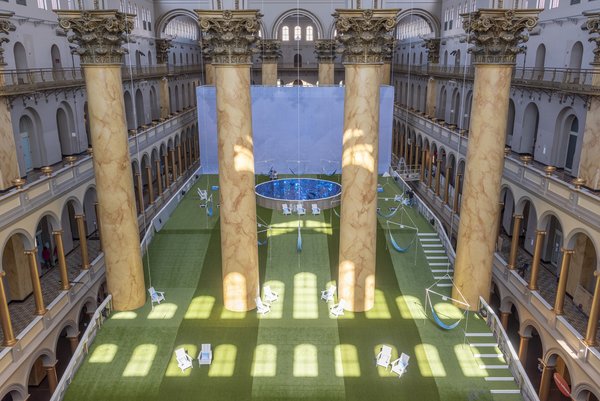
(5, 27)
(388, 53)
(230, 34)
(99, 34)
(162, 50)
(497, 34)
(270, 50)
(433, 50)
(593, 26)
(365, 34)
(325, 49)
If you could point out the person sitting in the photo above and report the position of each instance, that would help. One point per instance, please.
(47, 263)
(523, 269)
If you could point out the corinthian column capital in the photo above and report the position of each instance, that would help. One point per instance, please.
(229, 34)
(497, 34)
(5, 27)
(162, 50)
(269, 50)
(432, 46)
(593, 26)
(366, 35)
(325, 50)
(99, 34)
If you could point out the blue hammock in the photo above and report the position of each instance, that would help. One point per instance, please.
(329, 174)
(299, 243)
(395, 244)
(387, 216)
(335, 212)
(209, 209)
(439, 321)
(261, 243)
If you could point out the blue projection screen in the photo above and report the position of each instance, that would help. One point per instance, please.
(295, 129)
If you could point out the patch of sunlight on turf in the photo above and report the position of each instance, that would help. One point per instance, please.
(410, 307)
(429, 361)
(265, 360)
(317, 226)
(278, 287)
(200, 307)
(383, 372)
(380, 309)
(172, 369)
(346, 361)
(126, 315)
(223, 363)
(468, 363)
(227, 314)
(305, 296)
(141, 361)
(305, 361)
(163, 311)
(104, 353)
(446, 310)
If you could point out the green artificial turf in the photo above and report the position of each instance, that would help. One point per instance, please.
(297, 351)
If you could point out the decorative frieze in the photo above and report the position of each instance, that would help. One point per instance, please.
(99, 34)
(433, 50)
(365, 34)
(497, 34)
(5, 27)
(325, 50)
(269, 50)
(230, 34)
(162, 50)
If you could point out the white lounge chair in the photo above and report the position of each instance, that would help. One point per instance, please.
(184, 361)
(205, 357)
(203, 194)
(328, 294)
(338, 309)
(261, 308)
(269, 295)
(300, 209)
(384, 356)
(315, 209)
(286, 210)
(399, 365)
(398, 198)
(156, 296)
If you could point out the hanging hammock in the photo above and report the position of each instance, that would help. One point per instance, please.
(335, 212)
(292, 171)
(387, 216)
(439, 322)
(395, 244)
(329, 174)
(209, 206)
(436, 317)
(299, 243)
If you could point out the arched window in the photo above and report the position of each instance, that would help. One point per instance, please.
(285, 33)
(571, 144)
(309, 33)
(297, 33)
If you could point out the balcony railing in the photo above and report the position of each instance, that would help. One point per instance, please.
(24, 81)
(585, 81)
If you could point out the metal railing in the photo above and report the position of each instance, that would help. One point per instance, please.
(83, 348)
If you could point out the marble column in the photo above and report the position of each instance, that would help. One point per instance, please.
(98, 229)
(438, 176)
(62, 263)
(545, 382)
(523, 346)
(411, 151)
(504, 319)
(140, 192)
(52, 378)
(9, 166)
(592, 326)
(99, 35)
(416, 158)
(494, 62)
(325, 51)
(162, 61)
(158, 178)
(5, 322)
(456, 192)
(537, 255)
(179, 164)
(73, 343)
(430, 170)
(433, 57)
(150, 185)
(561, 289)
(166, 163)
(236, 152)
(85, 260)
(423, 159)
(31, 254)
(269, 53)
(173, 166)
(514, 243)
(386, 71)
(446, 185)
(363, 34)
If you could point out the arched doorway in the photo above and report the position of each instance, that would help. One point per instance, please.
(530, 129)
(297, 60)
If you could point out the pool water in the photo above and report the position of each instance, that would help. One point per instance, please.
(299, 189)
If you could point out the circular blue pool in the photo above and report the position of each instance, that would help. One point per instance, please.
(325, 194)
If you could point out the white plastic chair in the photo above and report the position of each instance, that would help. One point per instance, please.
(328, 294)
(384, 356)
(156, 296)
(184, 361)
(203, 194)
(205, 357)
(398, 198)
(269, 295)
(338, 309)
(399, 365)
(315, 209)
(300, 209)
(261, 308)
(286, 210)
